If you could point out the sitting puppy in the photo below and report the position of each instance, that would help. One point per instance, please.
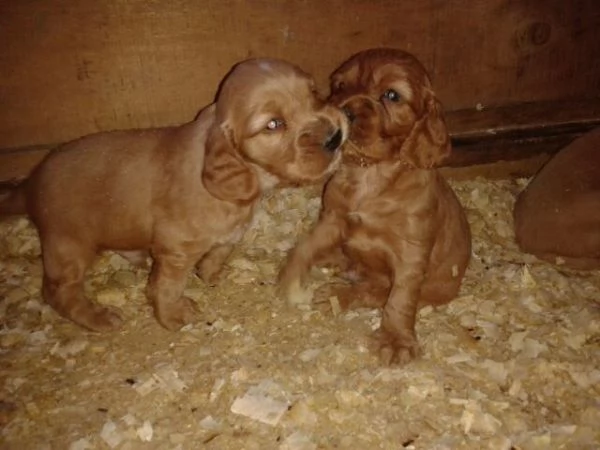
(184, 194)
(393, 216)
(557, 217)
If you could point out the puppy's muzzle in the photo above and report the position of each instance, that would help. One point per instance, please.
(358, 107)
(333, 142)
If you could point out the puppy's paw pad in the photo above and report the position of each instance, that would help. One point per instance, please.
(176, 316)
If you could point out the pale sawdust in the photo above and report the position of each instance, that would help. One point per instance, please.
(512, 363)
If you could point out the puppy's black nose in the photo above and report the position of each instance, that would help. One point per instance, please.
(348, 113)
(333, 141)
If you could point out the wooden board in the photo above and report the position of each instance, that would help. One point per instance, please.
(16, 164)
(497, 170)
(72, 67)
(520, 131)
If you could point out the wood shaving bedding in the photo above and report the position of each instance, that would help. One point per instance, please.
(512, 363)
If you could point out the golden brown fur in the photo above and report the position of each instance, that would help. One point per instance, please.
(184, 194)
(402, 232)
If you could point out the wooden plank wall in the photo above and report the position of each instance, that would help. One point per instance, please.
(72, 67)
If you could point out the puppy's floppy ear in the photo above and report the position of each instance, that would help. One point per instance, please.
(428, 143)
(225, 174)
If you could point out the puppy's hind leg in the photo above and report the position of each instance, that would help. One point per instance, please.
(65, 263)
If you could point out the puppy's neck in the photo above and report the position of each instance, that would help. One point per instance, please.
(266, 180)
(353, 158)
(373, 177)
(382, 169)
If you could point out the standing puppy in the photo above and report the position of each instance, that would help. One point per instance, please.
(184, 194)
(395, 219)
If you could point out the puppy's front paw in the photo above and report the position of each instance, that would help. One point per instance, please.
(295, 294)
(394, 349)
(98, 318)
(210, 277)
(178, 314)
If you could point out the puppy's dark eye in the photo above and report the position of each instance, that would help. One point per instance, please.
(391, 95)
(275, 124)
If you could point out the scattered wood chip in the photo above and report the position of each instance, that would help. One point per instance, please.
(111, 435)
(310, 354)
(335, 305)
(298, 441)
(165, 378)
(256, 404)
(129, 419)
(476, 421)
(209, 423)
(81, 444)
(170, 378)
(145, 432)
(216, 389)
(70, 348)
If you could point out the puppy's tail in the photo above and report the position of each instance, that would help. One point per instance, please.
(12, 199)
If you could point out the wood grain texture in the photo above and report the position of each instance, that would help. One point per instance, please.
(533, 119)
(519, 131)
(69, 68)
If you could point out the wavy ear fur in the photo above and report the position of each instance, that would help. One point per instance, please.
(225, 174)
(428, 143)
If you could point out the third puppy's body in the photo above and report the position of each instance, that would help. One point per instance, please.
(403, 235)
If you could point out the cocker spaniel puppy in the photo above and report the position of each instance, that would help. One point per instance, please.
(387, 212)
(182, 194)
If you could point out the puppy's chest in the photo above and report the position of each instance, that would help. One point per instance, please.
(367, 202)
(381, 199)
(377, 214)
